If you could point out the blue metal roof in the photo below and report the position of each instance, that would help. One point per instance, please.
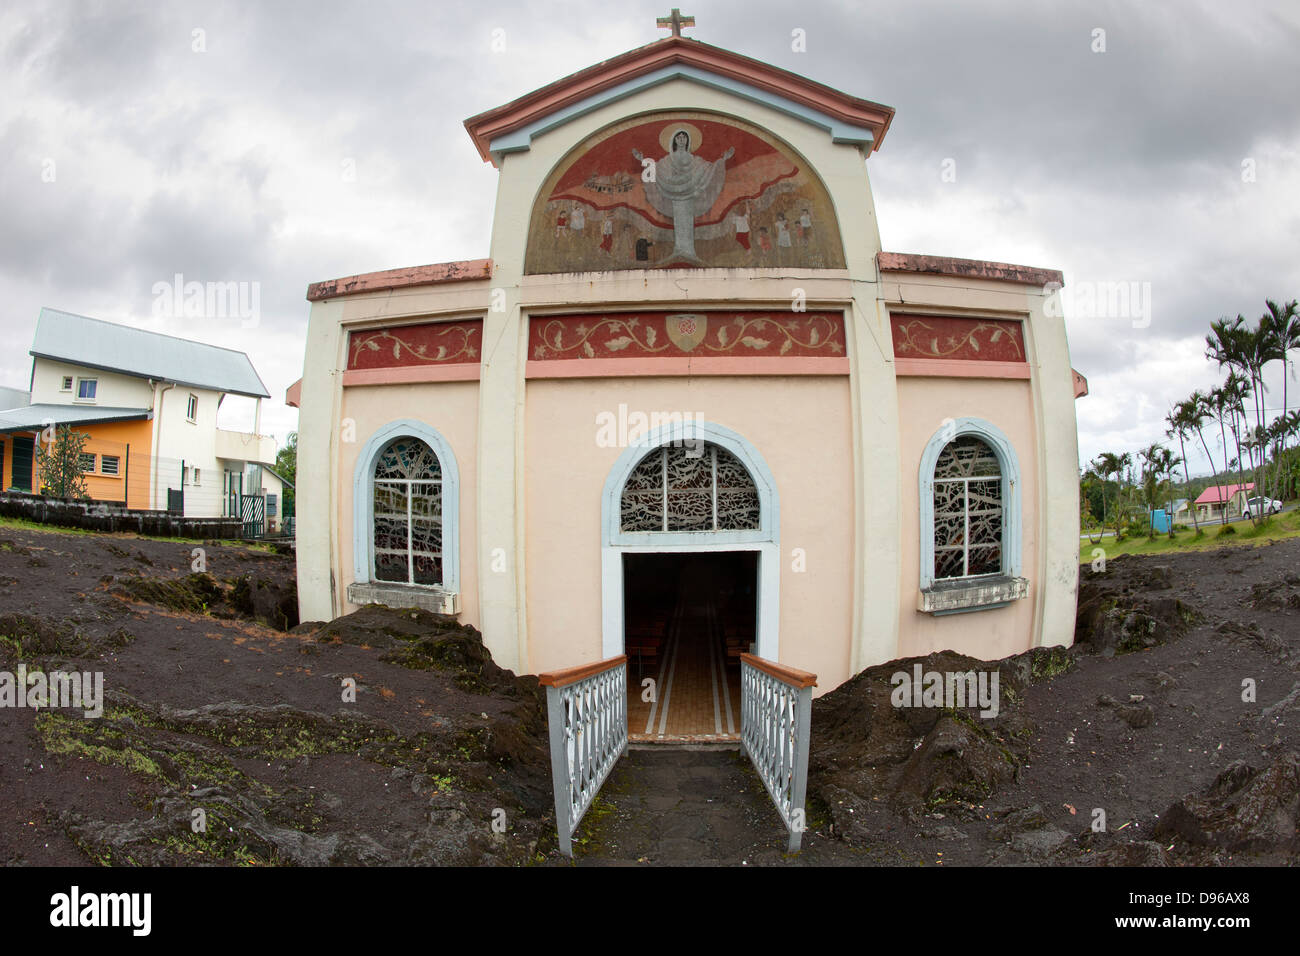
(110, 347)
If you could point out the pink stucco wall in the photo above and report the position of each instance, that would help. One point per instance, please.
(452, 409)
(800, 426)
(923, 404)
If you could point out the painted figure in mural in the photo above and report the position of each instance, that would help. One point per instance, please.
(742, 226)
(805, 227)
(684, 186)
(607, 233)
(782, 232)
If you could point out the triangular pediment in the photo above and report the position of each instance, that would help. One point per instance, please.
(511, 128)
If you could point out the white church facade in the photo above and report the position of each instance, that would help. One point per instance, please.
(689, 407)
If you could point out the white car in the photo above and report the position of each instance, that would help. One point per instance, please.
(1266, 506)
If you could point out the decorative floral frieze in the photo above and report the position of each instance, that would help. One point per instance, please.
(433, 343)
(675, 334)
(951, 337)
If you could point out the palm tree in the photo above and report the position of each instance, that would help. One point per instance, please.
(1158, 462)
(1107, 464)
(1183, 419)
(1287, 329)
(1282, 323)
(1235, 390)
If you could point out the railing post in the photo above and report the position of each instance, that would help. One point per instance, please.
(776, 717)
(803, 732)
(559, 768)
(586, 711)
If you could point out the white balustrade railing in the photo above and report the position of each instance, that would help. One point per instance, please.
(587, 713)
(776, 710)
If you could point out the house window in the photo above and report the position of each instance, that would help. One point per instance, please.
(88, 463)
(407, 517)
(86, 389)
(67, 384)
(967, 510)
(108, 464)
(689, 487)
(970, 520)
(192, 408)
(195, 477)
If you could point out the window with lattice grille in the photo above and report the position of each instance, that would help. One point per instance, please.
(407, 490)
(968, 510)
(690, 487)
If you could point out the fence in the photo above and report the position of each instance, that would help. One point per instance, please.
(118, 474)
(101, 516)
(775, 715)
(587, 713)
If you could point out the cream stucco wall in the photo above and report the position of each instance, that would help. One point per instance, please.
(924, 404)
(801, 428)
(842, 169)
(113, 389)
(451, 408)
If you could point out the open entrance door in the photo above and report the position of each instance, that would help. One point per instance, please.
(688, 616)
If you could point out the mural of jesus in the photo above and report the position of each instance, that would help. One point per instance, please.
(684, 186)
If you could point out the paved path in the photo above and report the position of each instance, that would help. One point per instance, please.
(670, 806)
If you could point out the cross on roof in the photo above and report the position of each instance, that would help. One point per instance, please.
(675, 22)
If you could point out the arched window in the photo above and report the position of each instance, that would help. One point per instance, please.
(970, 519)
(694, 486)
(406, 502)
(407, 489)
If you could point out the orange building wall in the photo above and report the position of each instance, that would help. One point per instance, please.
(131, 442)
(132, 483)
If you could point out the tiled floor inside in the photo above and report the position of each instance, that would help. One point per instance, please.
(693, 660)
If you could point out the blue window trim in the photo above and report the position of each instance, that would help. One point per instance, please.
(1010, 468)
(769, 516)
(363, 503)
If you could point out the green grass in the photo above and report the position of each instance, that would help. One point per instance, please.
(1241, 534)
(23, 524)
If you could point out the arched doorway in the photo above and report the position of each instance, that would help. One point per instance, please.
(690, 574)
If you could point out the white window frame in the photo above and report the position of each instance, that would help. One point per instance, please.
(117, 466)
(81, 462)
(65, 383)
(982, 591)
(93, 380)
(192, 409)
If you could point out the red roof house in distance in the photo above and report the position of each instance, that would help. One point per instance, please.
(1211, 502)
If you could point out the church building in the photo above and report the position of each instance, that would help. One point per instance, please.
(689, 408)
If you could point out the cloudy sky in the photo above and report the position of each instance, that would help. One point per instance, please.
(1153, 144)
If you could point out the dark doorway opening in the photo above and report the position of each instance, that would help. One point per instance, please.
(687, 618)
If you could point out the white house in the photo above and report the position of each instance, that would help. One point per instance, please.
(149, 404)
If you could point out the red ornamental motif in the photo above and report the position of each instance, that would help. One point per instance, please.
(432, 343)
(962, 339)
(674, 334)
